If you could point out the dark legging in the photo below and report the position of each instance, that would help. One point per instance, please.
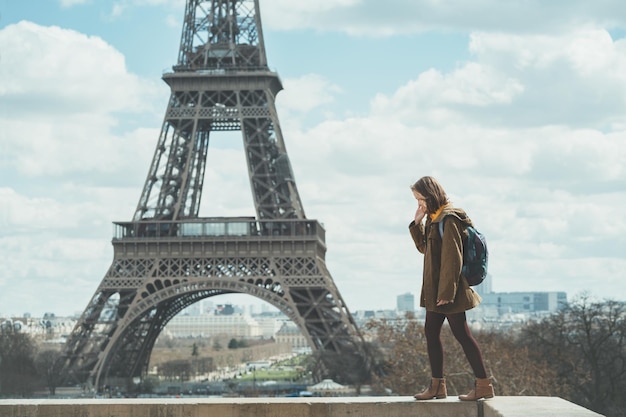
(460, 330)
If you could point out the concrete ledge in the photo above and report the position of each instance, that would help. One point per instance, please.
(294, 407)
(533, 406)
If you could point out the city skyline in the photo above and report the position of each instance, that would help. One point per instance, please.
(248, 305)
(519, 110)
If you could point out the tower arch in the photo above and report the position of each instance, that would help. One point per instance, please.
(168, 257)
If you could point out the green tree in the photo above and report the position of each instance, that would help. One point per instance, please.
(176, 369)
(237, 344)
(233, 344)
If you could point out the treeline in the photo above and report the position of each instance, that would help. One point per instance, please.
(24, 367)
(578, 354)
(185, 369)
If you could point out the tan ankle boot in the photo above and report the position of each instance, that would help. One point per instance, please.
(437, 389)
(482, 389)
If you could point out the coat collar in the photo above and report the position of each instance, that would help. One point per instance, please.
(449, 209)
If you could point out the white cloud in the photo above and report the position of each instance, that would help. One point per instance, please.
(575, 78)
(72, 145)
(306, 93)
(66, 173)
(172, 21)
(36, 275)
(49, 70)
(528, 135)
(534, 192)
(122, 6)
(437, 98)
(547, 192)
(397, 17)
(72, 3)
(62, 92)
(118, 9)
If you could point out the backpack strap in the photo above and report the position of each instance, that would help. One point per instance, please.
(440, 224)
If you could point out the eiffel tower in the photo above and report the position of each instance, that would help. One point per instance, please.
(168, 257)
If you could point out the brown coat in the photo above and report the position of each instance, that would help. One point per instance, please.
(443, 259)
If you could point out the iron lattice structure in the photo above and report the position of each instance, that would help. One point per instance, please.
(167, 257)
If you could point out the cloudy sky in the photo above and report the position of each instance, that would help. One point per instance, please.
(518, 108)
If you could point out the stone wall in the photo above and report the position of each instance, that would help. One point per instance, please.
(294, 407)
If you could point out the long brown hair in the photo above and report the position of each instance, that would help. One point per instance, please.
(432, 191)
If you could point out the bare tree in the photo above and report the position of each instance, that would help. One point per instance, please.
(17, 370)
(406, 369)
(586, 344)
(404, 362)
(349, 368)
(49, 365)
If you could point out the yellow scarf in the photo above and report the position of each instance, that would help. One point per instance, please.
(438, 212)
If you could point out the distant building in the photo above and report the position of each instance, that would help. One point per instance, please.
(290, 333)
(362, 317)
(226, 309)
(485, 287)
(270, 324)
(205, 325)
(50, 328)
(524, 302)
(405, 302)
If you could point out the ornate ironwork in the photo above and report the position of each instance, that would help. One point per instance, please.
(167, 257)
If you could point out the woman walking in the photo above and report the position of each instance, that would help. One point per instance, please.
(445, 293)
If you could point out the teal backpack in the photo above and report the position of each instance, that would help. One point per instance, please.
(475, 255)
